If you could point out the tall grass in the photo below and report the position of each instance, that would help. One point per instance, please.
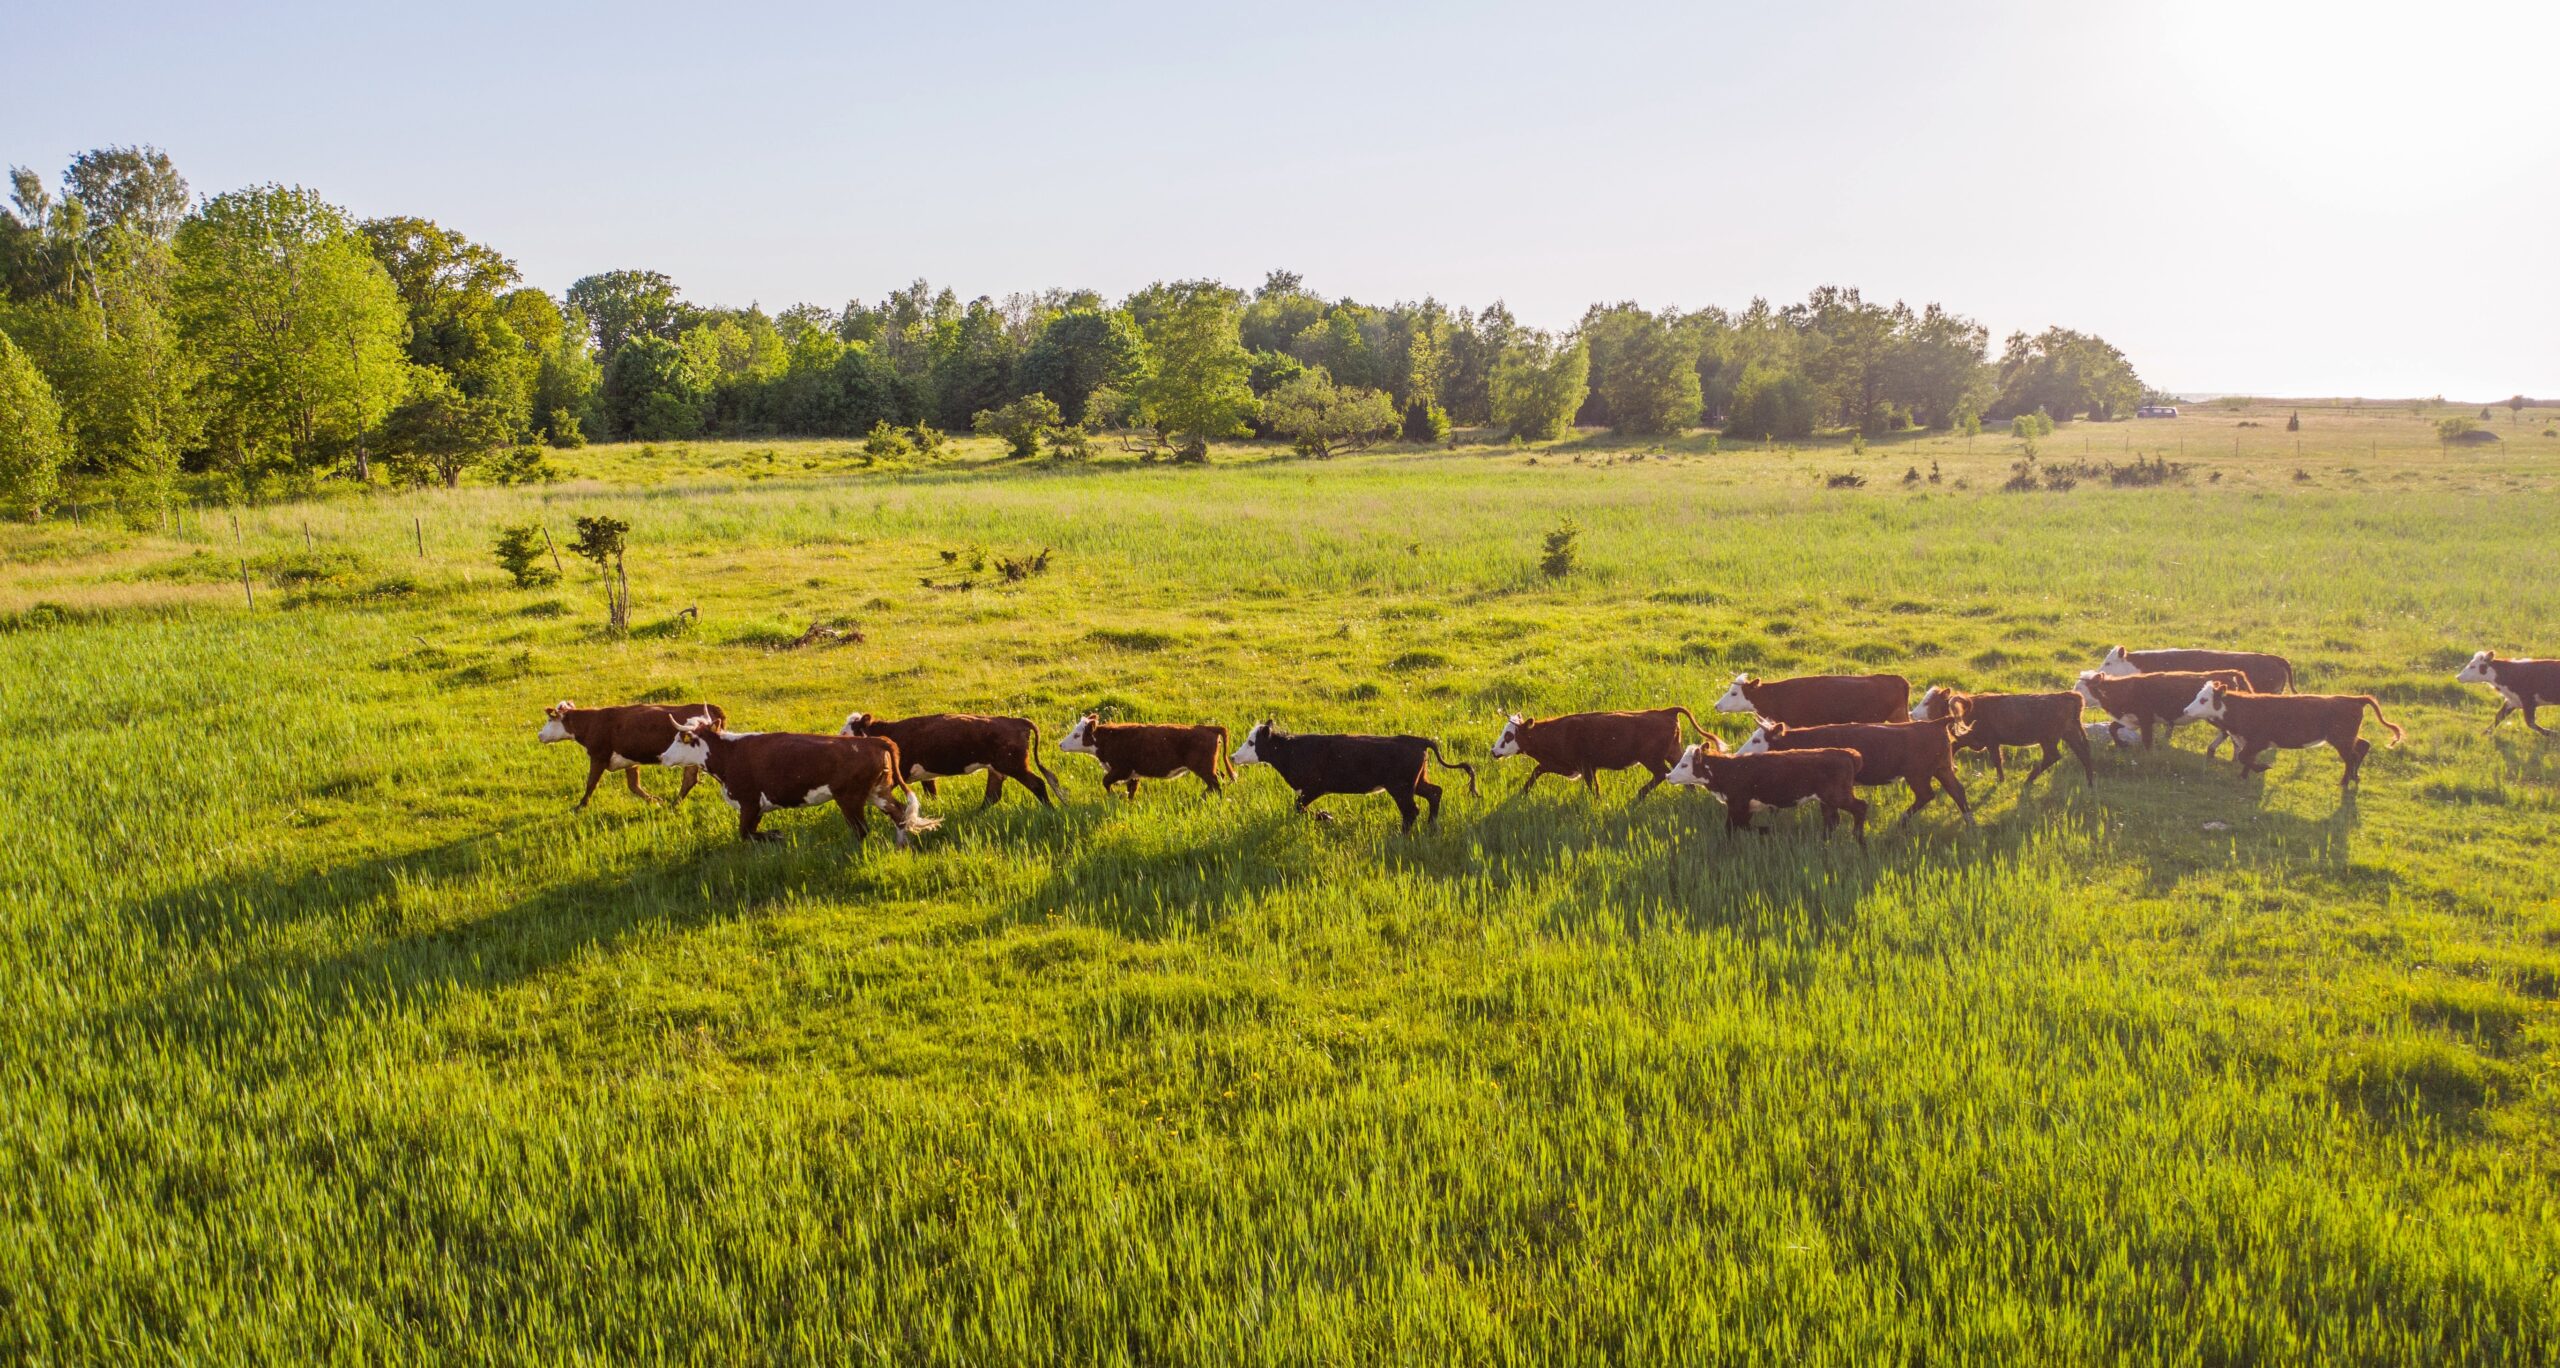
(328, 1029)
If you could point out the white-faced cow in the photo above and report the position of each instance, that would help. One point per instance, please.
(1991, 722)
(1920, 754)
(2521, 684)
(625, 738)
(1817, 700)
(2146, 701)
(948, 745)
(2265, 673)
(761, 772)
(1131, 751)
(1776, 779)
(1314, 766)
(1580, 745)
(2259, 721)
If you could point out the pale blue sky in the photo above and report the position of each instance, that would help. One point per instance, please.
(2271, 195)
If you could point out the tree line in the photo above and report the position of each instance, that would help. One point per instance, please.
(266, 336)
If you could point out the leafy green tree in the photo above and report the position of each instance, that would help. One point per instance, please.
(113, 358)
(297, 332)
(1201, 386)
(1540, 384)
(652, 391)
(136, 189)
(2065, 373)
(521, 549)
(1279, 311)
(1323, 418)
(1022, 424)
(602, 542)
(465, 316)
(1079, 352)
(33, 447)
(1935, 367)
(438, 432)
(1772, 400)
(621, 305)
(2515, 408)
(1643, 372)
(1272, 369)
(1477, 345)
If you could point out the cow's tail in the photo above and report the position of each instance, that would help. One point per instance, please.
(1222, 762)
(1447, 763)
(1037, 741)
(2376, 705)
(1694, 723)
(910, 818)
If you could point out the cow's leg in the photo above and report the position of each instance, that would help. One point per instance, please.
(2144, 724)
(2504, 708)
(2000, 765)
(750, 814)
(1830, 817)
(927, 785)
(1304, 802)
(1022, 776)
(1955, 790)
(692, 776)
(856, 817)
(2353, 753)
(1659, 771)
(995, 785)
(1430, 794)
(631, 777)
(1208, 778)
(2052, 757)
(2528, 718)
(1921, 793)
(595, 771)
(1540, 771)
(2078, 741)
(1857, 808)
(1591, 780)
(2246, 752)
(1131, 788)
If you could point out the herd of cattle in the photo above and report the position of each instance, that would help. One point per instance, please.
(1819, 739)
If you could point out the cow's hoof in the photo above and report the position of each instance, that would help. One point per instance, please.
(1321, 816)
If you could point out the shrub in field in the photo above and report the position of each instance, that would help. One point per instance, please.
(2455, 428)
(1771, 401)
(1425, 421)
(886, 443)
(564, 430)
(1538, 385)
(524, 465)
(1562, 550)
(1851, 480)
(2294, 422)
(929, 440)
(32, 445)
(1023, 425)
(520, 549)
(1321, 417)
(601, 540)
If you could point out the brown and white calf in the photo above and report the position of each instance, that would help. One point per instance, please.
(2145, 701)
(2521, 684)
(948, 745)
(1131, 751)
(2265, 673)
(2259, 721)
(1776, 779)
(625, 738)
(1920, 754)
(1816, 700)
(1992, 721)
(1314, 766)
(761, 772)
(1580, 745)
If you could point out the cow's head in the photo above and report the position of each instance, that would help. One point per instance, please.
(1508, 744)
(690, 746)
(1735, 700)
(1079, 737)
(1762, 738)
(1250, 753)
(2088, 692)
(2208, 704)
(1692, 769)
(855, 724)
(2117, 664)
(2478, 671)
(555, 726)
(1937, 705)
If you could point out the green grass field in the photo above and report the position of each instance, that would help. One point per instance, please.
(331, 1031)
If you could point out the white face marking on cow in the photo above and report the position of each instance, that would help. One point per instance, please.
(553, 730)
(1079, 738)
(853, 721)
(2477, 672)
(1757, 745)
(2110, 731)
(2081, 687)
(687, 749)
(1734, 701)
(1920, 710)
(1246, 754)
(1508, 744)
(1689, 771)
(2207, 707)
(2116, 666)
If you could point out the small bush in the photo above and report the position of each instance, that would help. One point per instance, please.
(525, 465)
(886, 443)
(1562, 550)
(521, 550)
(1846, 480)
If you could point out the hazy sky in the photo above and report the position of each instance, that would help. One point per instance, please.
(2299, 198)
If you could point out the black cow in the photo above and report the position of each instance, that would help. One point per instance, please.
(1314, 766)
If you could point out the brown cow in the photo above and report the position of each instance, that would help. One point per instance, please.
(1580, 745)
(2526, 684)
(1777, 779)
(1919, 754)
(759, 772)
(1992, 721)
(2266, 673)
(2147, 700)
(2291, 722)
(1131, 751)
(1816, 700)
(948, 745)
(625, 738)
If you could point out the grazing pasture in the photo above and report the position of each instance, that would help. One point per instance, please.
(330, 1028)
